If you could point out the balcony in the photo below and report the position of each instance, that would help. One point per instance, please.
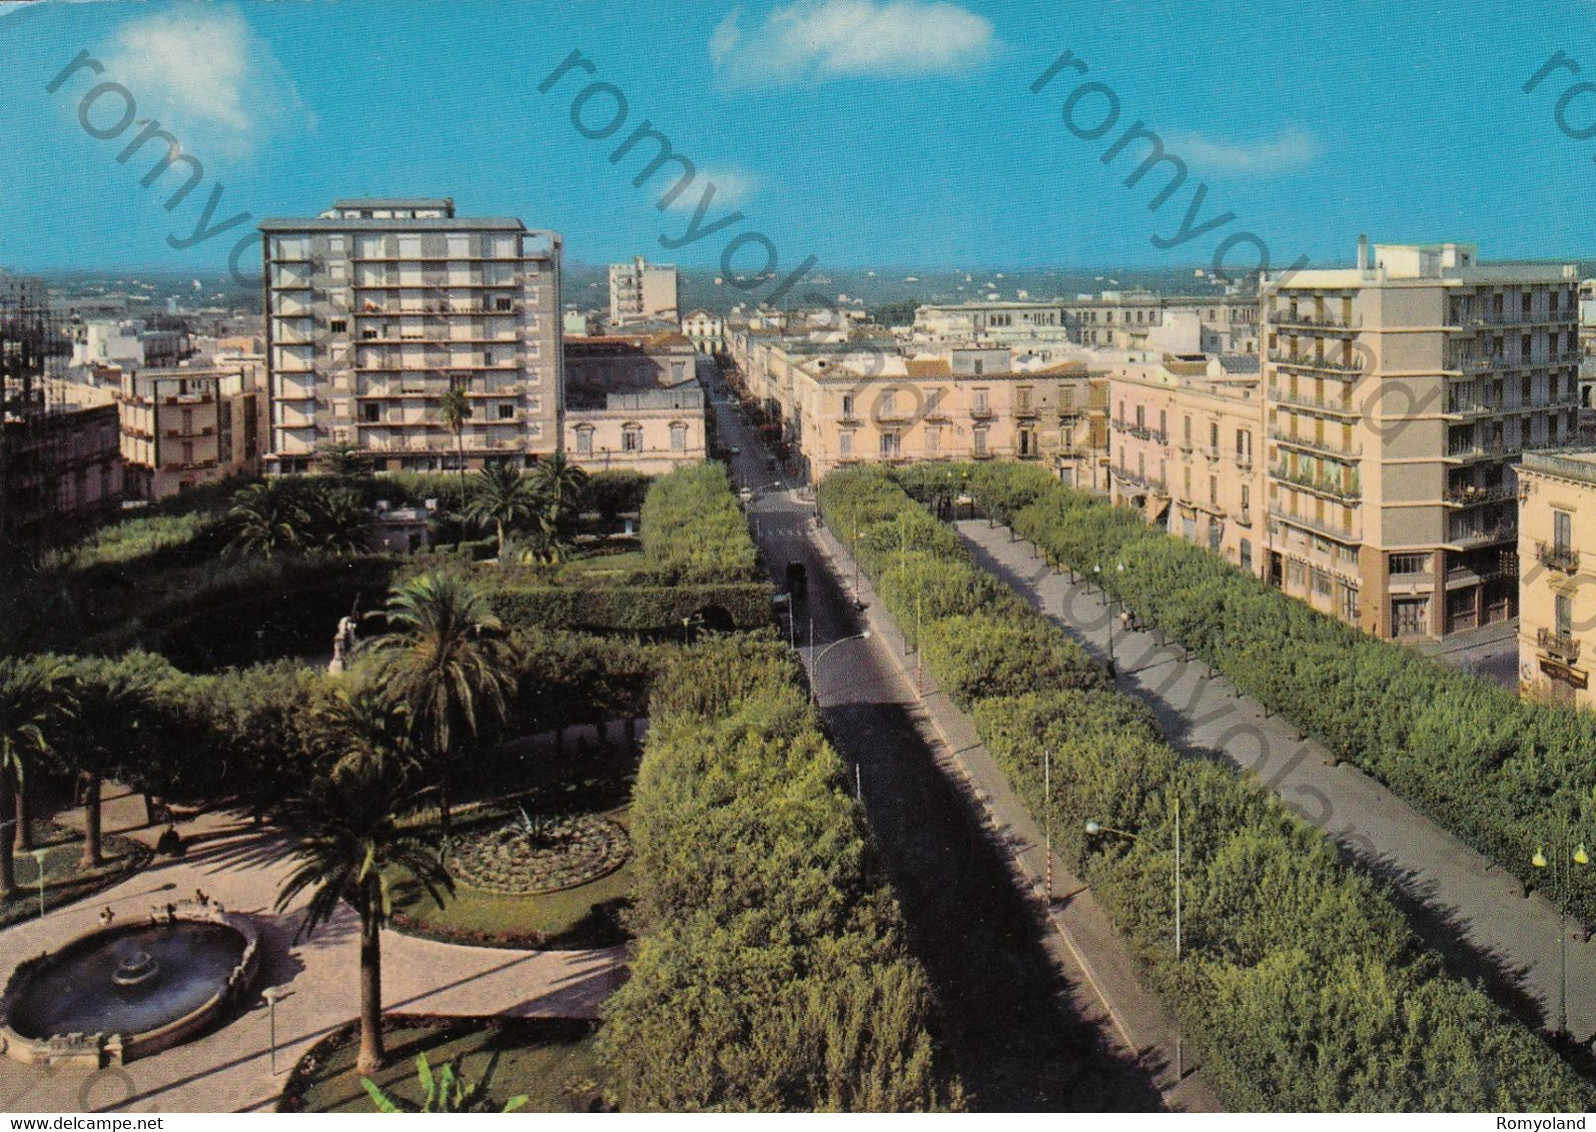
(1470, 409)
(1342, 490)
(1310, 444)
(1142, 432)
(982, 413)
(1562, 646)
(1135, 480)
(1343, 367)
(1555, 557)
(1472, 495)
(1322, 526)
(1315, 321)
(1339, 406)
(1483, 535)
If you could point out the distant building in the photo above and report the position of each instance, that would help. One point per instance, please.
(706, 331)
(1215, 324)
(60, 463)
(377, 308)
(576, 324)
(641, 291)
(185, 427)
(109, 343)
(400, 530)
(634, 401)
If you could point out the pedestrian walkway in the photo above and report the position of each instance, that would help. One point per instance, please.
(1092, 952)
(241, 867)
(1465, 906)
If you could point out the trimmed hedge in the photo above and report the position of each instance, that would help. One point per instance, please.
(640, 609)
(770, 972)
(1501, 773)
(694, 531)
(1299, 979)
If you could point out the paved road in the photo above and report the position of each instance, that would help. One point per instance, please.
(229, 1069)
(1029, 1029)
(1465, 906)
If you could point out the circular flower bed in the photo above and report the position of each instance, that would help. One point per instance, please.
(522, 858)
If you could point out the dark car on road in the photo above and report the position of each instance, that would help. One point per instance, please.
(797, 578)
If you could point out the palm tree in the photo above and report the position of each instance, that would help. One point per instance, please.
(112, 726)
(352, 847)
(504, 496)
(445, 658)
(561, 485)
(34, 700)
(454, 410)
(267, 518)
(336, 521)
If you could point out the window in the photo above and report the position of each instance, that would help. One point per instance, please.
(631, 438)
(1321, 583)
(368, 334)
(1187, 433)
(1022, 398)
(888, 403)
(1215, 532)
(507, 412)
(980, 442)
(1565, 615)
(1244, 446)
(1246, 555)
(584, 441)
(1213, 436)
(1347, 602)
(1246, 502)
(890, 445)
(982, 404)
(370, 412)
(338, 326)
(1213, 492)
(1563, 530)
(845, 444)
(847, 404)
(1410, 563)
(678, 437)
(501, 304)
(933, 440)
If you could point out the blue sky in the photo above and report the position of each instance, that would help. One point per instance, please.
(863, 132)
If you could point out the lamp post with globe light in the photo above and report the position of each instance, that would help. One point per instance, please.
(1562, 863)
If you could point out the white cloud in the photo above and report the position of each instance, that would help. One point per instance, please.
(1293, 149)
(828, 39)
(204, 74)
(733, 187)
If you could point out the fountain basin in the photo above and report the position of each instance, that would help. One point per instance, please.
(120, 993)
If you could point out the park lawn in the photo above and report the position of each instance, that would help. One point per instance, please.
(580, 917)
(549, 1061)
(65, 880)
(601, 569)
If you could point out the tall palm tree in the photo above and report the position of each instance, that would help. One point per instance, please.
(561, 486)
(454, 410)
(34, 701)
(446, 659)
(267, 518)
(112, 726)
(352, 846)
(504, 496)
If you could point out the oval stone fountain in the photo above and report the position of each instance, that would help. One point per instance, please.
(125, 992)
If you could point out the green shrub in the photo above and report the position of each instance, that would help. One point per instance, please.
(770, 972)
(1303, 985)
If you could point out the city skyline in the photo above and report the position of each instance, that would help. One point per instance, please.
(861, 133)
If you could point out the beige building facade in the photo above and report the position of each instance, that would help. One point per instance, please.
(642, 292)
(378, 307)
(1557, 590)
(1186, 445)
(1400, 395)
(186, 427)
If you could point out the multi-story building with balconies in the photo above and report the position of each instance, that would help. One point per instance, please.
(185, 427)
(1556, 548)
(1400, 395)
(1184, 437)
(642, 292)
(377, 308)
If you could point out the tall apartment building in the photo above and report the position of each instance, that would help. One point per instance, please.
(377, 308)
(1400, 394)
(185, 427)
(642, 292)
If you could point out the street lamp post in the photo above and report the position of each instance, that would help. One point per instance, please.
(38, 858)
(1562, 866)
(1047, 820)
(814, 665)
(272, 996)
(1094, 829)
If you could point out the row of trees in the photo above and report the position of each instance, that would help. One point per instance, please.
(1501, 773)
(694, 531)
(1301, 982)
(771, 973)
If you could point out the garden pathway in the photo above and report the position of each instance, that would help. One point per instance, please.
(229, 1069)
